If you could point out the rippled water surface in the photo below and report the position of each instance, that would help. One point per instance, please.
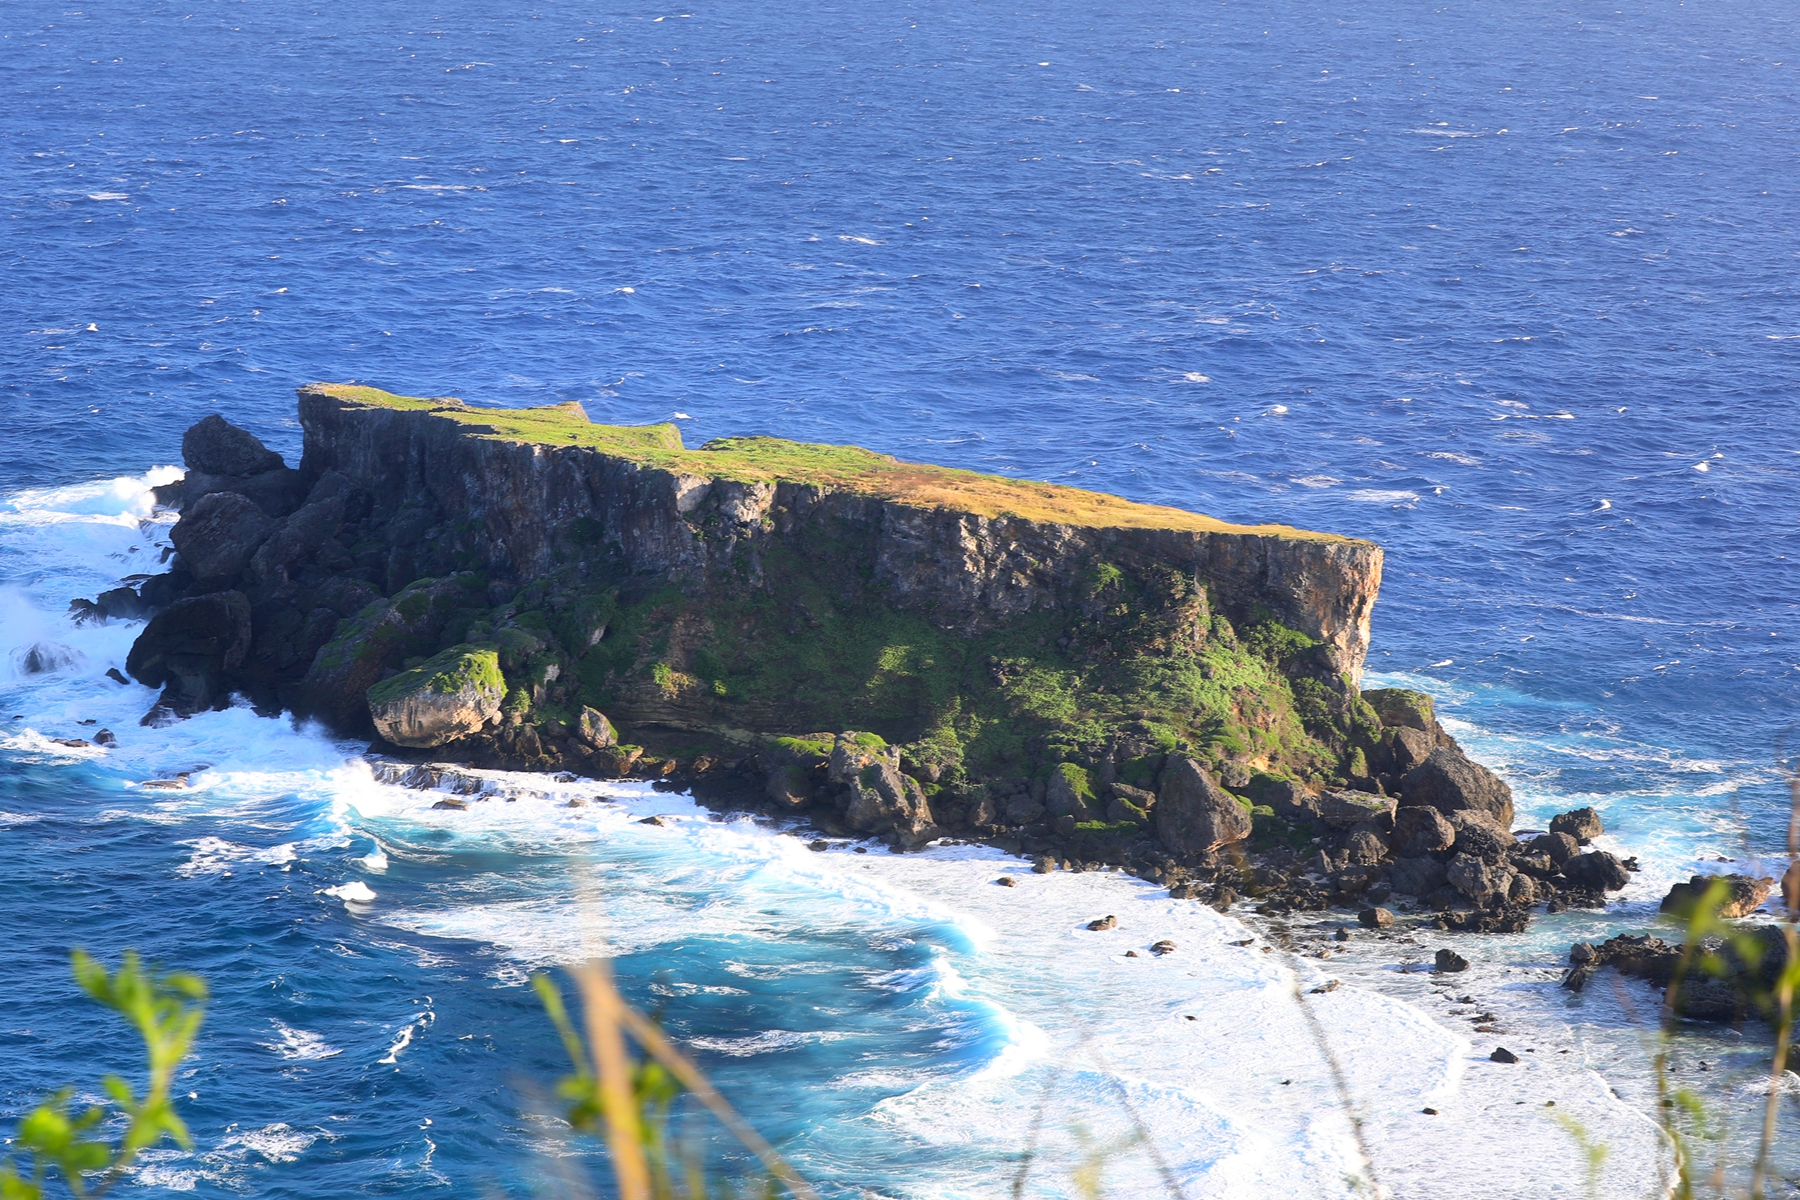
(1506, 288)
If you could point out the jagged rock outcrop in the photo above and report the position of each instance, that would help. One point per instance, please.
(192, 650)
(1724, 978)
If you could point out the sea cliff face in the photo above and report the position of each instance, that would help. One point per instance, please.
(526, 509)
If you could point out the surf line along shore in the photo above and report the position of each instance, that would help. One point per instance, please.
(878, 649)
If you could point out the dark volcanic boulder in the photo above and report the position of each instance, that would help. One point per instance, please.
(191, 648)
(1450, 782)
(218, 534)
(1486, 883)
(294, 541)
(1407, 748)
(1193, 814)
(1342, 810)
(1560, 847)
(1740, 896)
(1068, 793)
(1582, 824)
(215, 446)
(1476, 834)
(1417, 875)
(1419, 831)
(377, 640)
(877, 797)
(1598, 870)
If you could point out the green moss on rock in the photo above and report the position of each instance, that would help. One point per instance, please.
(449, 671)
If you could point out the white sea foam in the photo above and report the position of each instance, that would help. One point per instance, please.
(354, 892)
(278, 1143)
(1238, 1098)
(1210, 1090)
(299, 1044)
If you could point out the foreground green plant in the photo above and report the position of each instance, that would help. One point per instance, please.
(61, 1143)
(627, 1101)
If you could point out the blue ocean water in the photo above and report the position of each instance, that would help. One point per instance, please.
(1507, 289)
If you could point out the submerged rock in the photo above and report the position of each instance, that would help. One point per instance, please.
(46, 658)
(451, 695)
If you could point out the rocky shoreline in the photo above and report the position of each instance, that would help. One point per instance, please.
(1142, 689)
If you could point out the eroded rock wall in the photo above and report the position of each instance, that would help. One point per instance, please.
(519, 509)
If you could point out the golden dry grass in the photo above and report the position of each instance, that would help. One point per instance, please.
(839, 468)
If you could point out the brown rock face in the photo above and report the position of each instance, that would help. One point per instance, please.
(1742, 895)
(1451, 782)
(1193, 814)
(1582, 824)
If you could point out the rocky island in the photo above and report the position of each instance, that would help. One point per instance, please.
(883, 649)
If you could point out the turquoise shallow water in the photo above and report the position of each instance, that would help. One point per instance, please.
(1508, 291)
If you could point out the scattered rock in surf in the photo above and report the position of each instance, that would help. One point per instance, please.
(1185, 891)
(1502, 1055)
(1582, 952)
(1163, 947)
(1189, 1017)
(1582, 824)
(1430, 1112)
(1326, 988)
(1741, 895)
(1342, 935)
(660, 821)
(1131, 954)
(74, 743)
(452, 802)
(862, 849)
(1449, 961)
(1376, 918)
(819, 845)
(166, 785)
(1007, 881)
(1043, 866)
(1598, 870)
(576, 802)
(1224, 898)
(1106, 922)
(105, 738)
